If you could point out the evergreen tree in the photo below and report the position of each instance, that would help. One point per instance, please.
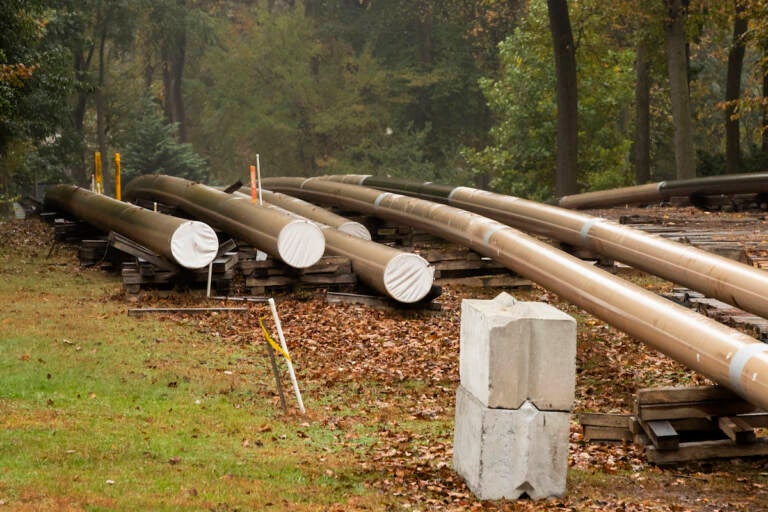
(151, 148)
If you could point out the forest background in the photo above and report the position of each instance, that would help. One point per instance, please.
(453, 91)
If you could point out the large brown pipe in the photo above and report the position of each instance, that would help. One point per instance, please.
(298, 243)
(746, 183)
(639, 194)
(191, 244)
(725, 355)
(403, 276)
(315, 213)
(727, 280)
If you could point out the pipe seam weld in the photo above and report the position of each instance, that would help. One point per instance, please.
(584, 233)
(739, 361)
(491, 231)
(380, 198)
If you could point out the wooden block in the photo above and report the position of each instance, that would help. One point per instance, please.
(756, 419)
(706, 450)
(323, 279)
(693, 424)
(268, 281)
(329, 265)
(468, 265)
(494, 281)
(662, 434)
(672, 394)
(653, 412)
(597, 433)
(604, 420)
(738, 430)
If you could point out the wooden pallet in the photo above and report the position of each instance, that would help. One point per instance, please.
(270, 275)
(722, 312)
(680, 424)
(459, 266)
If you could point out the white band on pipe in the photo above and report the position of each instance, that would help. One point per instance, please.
(660, 186)
(739, 361)
(380, 198)
(450, 196)
(584, 234)
(491, 231)
(363, 178)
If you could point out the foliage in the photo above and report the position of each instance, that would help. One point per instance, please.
(151, 148)
(34, 86)
(521, 158)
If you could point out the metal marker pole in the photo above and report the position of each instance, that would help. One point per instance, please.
(258, 176)
(210, 276)
(285, 349)
(276, 372)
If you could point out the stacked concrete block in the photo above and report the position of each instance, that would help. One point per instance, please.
(518, 368)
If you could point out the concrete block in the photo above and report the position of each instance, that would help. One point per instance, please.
(512, 352)
(504, 453)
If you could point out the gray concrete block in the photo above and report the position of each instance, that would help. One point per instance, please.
(504, 453)
(512, 352)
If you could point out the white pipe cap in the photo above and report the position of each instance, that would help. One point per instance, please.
(408, 277)
(301, 244)
(194, 244)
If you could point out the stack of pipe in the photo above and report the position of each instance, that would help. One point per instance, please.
(727, 280)
(315, 213)
(725, 355)
(191, 244)
(403, 276)
(298, 243)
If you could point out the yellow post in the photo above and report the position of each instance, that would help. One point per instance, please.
(117, 177)
(99, 177)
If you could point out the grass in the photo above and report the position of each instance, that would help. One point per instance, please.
(102, 411)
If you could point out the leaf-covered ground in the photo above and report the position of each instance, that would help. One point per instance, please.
(379, 386)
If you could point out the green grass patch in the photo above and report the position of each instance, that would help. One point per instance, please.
(100, 411)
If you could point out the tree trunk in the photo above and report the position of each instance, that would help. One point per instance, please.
(685, 157)
(733, 91)
(101, 124)
(173, 53)
(565, 69)
(764, 146)
(79, 173)
(641, 149)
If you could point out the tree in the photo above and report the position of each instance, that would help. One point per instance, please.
(33, 93)
(677, 63)
(641, 151)
(567, 97)
(733, 91)
(152, 149)
(521, 156)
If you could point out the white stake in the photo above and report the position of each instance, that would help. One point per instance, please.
(258, 176)
(285, 349)
(210, 276)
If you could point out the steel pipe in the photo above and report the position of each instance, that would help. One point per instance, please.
(315, 213)
(725, 355)
(191, 244)
(403, 276)
(747, 183)
(298, 243)
(716, 276)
